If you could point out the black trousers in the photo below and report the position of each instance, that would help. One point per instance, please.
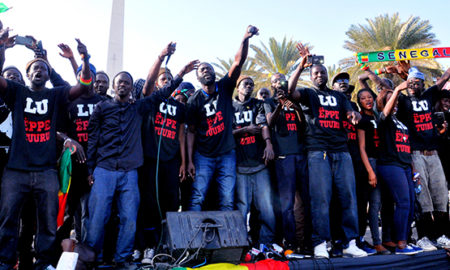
(17, 187)
(149, 219)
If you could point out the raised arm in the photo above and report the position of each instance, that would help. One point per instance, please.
(82, 85)
(304, 53)
(390, 104)
(168, 89)
(241, 55)
(68, 54)
(444, 78)
(362, 79)
(377, 80)
(152, 76)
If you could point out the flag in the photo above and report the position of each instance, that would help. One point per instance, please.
(3, 8)
(65, 178)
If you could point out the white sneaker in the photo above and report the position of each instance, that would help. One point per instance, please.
(320, 251)
(443, 242)
(148, 256)
(353, 251)
(136, 255)
(426, 244)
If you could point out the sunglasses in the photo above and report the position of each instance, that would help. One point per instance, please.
(341, 81)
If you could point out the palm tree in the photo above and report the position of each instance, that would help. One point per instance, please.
(282, 57)
(387, 32)
(249, 68)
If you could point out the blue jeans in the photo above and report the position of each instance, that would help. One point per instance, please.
(18, 186)
(372, 195)
(400, 184)
(326, 170)
(224, 167)
(124, 186)
(256, 188)
(292, 174)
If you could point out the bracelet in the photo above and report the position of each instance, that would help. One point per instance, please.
(66, 140)
(161, 59)
(84, 56)
(364, 67)
(86, 82)
(267, 139)
(379, 71)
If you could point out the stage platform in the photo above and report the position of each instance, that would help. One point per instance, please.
(426, 260)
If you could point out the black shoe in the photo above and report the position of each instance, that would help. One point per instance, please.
(336, 250)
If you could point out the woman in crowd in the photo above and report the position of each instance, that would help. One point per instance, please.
(368, 146)
(394, 166)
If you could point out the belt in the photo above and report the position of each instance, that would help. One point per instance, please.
(426, 152)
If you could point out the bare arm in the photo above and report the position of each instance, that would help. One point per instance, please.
(241, 55)
(444, 78)
(152, 76)
(365, 158)
(190, 144)
(268, 151)
(391, 102)
(304, 53)
(374, 78)
(362, 79)
(182, 140)
(68, 54)
(272, 117)
(79, 88)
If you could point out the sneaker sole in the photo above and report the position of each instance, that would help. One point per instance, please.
(407, 253)
(353, 256)
(146, 261)
(321, 257)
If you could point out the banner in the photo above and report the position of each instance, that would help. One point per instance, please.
(405, 54)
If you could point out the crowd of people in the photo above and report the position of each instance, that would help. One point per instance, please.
(305, 167)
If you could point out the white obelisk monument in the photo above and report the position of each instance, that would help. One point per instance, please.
(115, 46)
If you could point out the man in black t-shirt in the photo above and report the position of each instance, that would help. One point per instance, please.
(163, 134)
(253, 152)
(31, 169)
(329, 162)
(78, 113)
(284, 117)
(210, 120)
(415, 110)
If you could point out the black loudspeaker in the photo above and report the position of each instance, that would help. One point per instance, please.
(217, 236)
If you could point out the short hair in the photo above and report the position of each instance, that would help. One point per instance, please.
(316, 65)
(123, 72)
(104, 73)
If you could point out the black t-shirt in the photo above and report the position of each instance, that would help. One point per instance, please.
(249, 147)
(369, 124)
(174, 114)
(394, 147)
(416, 113)
(352, 137)
(286, 133)
(79, 112)
(212, 116)
(35, 115)
(325, 112)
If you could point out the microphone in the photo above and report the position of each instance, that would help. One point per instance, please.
(173, 45)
